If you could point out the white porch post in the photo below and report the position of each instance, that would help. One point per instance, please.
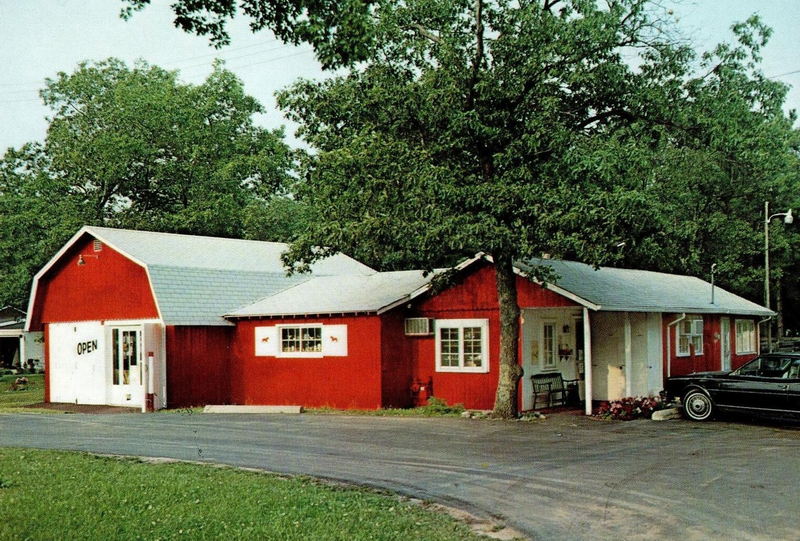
(587, 361)
(23, 352)
(628, 356)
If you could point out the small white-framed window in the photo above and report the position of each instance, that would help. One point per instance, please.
(549, 351)
(690, 333)
(745, 336)
(462, 345)
(300, 340)
(308, 340)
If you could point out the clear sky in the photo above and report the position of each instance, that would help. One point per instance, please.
(42, 37)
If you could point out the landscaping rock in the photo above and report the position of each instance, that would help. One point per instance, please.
(667, 414)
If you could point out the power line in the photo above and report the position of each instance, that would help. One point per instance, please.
(783, 74)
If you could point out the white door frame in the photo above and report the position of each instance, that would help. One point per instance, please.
(725, 343)
(126, 388)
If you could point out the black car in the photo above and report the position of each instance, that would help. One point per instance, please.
(767, 385)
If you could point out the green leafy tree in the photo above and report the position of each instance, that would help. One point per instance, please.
(141, 149)
(135, 147)
(733, 149)
(339, 30)
(510, 129)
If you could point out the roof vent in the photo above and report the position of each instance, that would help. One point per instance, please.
(98, 246)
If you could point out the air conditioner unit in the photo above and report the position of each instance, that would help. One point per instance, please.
(419, 326)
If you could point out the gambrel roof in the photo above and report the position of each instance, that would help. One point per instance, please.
(196, 279)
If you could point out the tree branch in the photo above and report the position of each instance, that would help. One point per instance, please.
(424, 32)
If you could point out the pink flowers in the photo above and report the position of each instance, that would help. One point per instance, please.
(629, 408)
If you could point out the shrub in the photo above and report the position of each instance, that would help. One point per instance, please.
(437, 406)
(629, 408)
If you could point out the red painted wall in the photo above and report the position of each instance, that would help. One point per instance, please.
(710, 359)
(396, 367)
(351, 382)
(107, 286)
(198, 365)
(474, 297)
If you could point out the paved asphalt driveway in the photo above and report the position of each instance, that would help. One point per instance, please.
(564, 478)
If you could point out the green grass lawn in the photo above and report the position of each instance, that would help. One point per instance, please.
(15, 400)
(63, 495)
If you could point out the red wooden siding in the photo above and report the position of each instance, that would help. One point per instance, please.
(198, 365)
(107, 286)
(710, 359)
(474, 297)
(351, 382)
(396, 366)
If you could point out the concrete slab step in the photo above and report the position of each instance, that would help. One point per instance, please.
(253, 409)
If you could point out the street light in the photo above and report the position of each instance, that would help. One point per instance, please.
(787, 219)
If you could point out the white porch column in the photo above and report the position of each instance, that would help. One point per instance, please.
(587, 361)
(628, 356)
(23, 351)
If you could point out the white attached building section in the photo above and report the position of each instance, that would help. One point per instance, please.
(119, 363)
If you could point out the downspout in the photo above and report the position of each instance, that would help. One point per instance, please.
(669, 342)
(758, 326)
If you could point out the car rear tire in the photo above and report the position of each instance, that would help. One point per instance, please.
(697, 405)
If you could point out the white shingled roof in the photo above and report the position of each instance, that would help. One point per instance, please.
(198, 279)
(629, 290)
(339, 294)
(197, 252)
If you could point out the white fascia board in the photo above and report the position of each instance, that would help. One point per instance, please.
(47, 267)
(11, 333)
(422, 289)
(152, 290)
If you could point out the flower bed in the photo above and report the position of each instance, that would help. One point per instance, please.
(630, 408)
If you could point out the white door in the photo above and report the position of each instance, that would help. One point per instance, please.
(725, 331)
(127, 366)
(77, 368)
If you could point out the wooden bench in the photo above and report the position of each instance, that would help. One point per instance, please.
(551, 387)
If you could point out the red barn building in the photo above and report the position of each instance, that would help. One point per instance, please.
(130, 314)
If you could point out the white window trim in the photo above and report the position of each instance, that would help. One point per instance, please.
(460, 324)
(545, 364)
(303, 354)
(688, 352)
(752, 332)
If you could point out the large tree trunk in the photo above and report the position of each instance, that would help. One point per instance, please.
(505, 402)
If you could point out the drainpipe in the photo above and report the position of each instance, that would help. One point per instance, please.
(669, 342)
(758, 326)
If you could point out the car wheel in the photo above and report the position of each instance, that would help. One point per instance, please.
(697, 405)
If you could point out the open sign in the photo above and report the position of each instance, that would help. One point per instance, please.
(87, 347)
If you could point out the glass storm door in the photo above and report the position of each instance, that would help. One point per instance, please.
(126, 362)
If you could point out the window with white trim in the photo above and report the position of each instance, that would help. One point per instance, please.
(745, 336)
(301, 339)
(548, 345)
(690, 333)
(308, 340)
(462, 345)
